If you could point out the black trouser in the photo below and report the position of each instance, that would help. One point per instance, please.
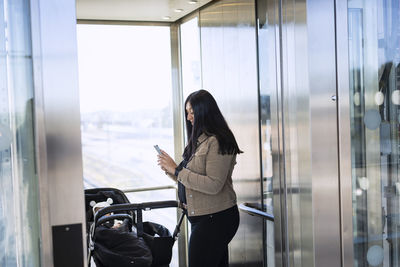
(211, 234)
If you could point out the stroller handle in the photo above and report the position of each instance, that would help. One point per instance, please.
(114, 217)
(135, 207)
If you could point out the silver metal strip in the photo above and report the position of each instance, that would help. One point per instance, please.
(244, 206)
(46, 248)
(123, 22)
(177, 97)
(149, 189)
(177, 103)
(286, 149)
(282, 63)
(274, 21)
(344, 134)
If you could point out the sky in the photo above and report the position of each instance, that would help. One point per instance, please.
(124, 68)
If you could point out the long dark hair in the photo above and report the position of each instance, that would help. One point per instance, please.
(209, 120)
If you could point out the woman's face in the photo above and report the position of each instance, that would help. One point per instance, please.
(190, 114)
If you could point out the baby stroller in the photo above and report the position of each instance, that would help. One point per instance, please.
(117, 235)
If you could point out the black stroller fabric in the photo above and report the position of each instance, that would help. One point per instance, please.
(160, 241)
(120, 247)
(135, 243)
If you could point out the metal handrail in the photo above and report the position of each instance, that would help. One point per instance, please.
(254, 209)
(135, 207)
(149, 188)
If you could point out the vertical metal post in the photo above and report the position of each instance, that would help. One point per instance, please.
(344, 138)
(324, 127)
(177, 101)
(57, 123)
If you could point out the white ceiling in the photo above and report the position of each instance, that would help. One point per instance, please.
(135, 10)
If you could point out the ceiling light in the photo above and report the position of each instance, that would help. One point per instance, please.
(178, 10)
(166, 17)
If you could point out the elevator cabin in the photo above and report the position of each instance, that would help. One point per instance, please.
(311, 90)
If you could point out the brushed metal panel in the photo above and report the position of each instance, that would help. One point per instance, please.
(62, 117)
(57, 119)
(229, 70)
(297, 131)
(297, 246)
(279, 197)
(323, 112)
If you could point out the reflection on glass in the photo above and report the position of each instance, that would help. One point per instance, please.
(374, 56)
(126, 109)
(126, 104)
(19, 217)
(267, 72)
(190, 59)
(190, 51)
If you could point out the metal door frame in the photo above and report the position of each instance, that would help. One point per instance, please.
(57, 123)
(309, 39)
(344, 138)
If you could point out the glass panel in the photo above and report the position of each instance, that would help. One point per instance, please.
(19, 216)
(190, 51)
(126, 109)
(190, 60)
(267, 83)
(374, 56)
(126, 104)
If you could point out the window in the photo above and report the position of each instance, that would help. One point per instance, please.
(191, 63)
(126, 109)
(374, 72)
(19, 197)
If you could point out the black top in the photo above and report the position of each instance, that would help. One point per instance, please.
(181, 187)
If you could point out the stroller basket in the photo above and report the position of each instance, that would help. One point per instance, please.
(150, 245)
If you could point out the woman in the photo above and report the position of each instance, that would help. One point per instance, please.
(205, 181)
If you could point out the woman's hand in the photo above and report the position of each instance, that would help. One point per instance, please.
(166, 163)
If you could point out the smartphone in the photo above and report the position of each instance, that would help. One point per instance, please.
(158, 149)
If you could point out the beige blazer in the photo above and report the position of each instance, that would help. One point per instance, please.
(208, 179)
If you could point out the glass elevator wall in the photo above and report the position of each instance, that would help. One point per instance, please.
(374, 76)
(19, 217)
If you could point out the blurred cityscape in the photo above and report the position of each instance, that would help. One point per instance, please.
(118, 152)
